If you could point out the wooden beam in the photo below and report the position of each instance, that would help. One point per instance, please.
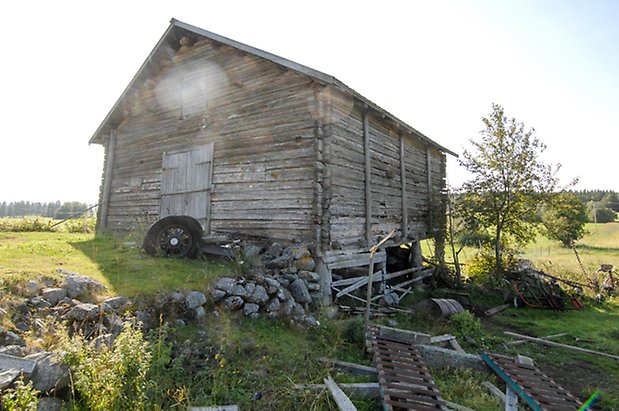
(368, 177)
(546, 337)
(364, 390)
(403, 191)
(341, 399)
(352, 368)
(107, 178)
(556, 344)
(430, 202)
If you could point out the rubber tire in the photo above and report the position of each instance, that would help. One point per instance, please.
(174, 237)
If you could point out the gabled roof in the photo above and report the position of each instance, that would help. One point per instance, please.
(178, 29)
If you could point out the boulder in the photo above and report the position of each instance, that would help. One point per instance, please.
(300, 251)
(259, 296)
(83, 312)
(283, 295)
(249, 288)
(309, 276)
(53, 295)
(272, 285)
(32, 288)
(195, 299)
(10, 338)
(199, 312)
(274, 251)
(273, 306)
(177, 296)
(233, 303)
(50, 374)
(49, 404)
(299, 292)
(250, 308)
(81, 287)
(239, 291)
(7, 377)
(252, 250)
(225, 284)
(313, 287)
(309, 320)
(280, 262)
(218, 294)
(14, 350)
(116, 303)
(305, 264)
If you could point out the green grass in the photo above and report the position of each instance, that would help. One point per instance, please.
(116, 263)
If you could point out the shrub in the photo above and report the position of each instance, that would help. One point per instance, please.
(602, 215)
(481, 268)
(21, 398)
(26, 224)
(110, 378)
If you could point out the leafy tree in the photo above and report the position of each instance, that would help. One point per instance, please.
(599, 214)
(508, 181)
(564, 218)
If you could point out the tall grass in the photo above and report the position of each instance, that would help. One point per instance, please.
(43, 224)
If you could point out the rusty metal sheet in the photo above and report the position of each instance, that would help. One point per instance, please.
(405, 381)
(536, 388)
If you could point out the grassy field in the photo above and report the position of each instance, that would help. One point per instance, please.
(267, 357)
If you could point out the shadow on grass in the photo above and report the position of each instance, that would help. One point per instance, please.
(130, 272)
(597, 249)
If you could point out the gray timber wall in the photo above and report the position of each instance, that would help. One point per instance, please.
(424, 177)
(260, 118)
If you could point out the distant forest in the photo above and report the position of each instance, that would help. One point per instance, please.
(601, 198)
(58, 210)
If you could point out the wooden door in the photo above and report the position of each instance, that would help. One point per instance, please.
(186, 184)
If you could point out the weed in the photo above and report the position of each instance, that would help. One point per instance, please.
(24, 397)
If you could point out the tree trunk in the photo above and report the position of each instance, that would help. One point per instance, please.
(497, 251)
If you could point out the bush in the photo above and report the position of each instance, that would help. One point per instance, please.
(110, 378)
(21, 398)
(602, 215)
(41, 224)
(481, 268)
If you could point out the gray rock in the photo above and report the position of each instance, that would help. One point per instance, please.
(32, 288)
(25, 365)
(103, 340)
(116, 303)
(225, 284)
(391, 299)
(239, 291)
(22, 326)
(274, 251)
(300, 251)
(311, 321)
(14, 350)
(195, 299)
(284, 282)
(290, 276)
(39, 302)
(177, 296)
(273, 306)
(272, 285)
(10, 338)
(309, 276)
(250, 308)
(298, 312)
(53, 295)
(199, 312)
(252, 250)
(83, 312)
(7, 377)
(283, 295)
(179, 322)
(279, 262)
(233, 303)
(313, 287)
(49, 404)
(305, 264)
(82, 287)
(249, 288)
(259, 296)
(218, 294)
(50, 374)
(287, 307)
(299, 292)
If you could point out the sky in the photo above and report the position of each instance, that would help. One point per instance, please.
(437, 65)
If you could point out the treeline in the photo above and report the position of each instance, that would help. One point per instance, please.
(57, 210)
(602, 205)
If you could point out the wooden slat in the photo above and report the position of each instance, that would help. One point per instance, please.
(341, 399)
(368, 177)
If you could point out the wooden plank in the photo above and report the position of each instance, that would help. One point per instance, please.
(430, 201)
(364, 390)
(352, 368)
(368, 176)
(442, 338)
(556, 344)
(342, 401)
(494, 390)
(360, 283)
(403, 185)
(546, 337)
(107, 178)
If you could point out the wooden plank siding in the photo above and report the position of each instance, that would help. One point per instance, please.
(347, 204)
(261, 121)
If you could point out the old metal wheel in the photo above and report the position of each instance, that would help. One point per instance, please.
(176, 237)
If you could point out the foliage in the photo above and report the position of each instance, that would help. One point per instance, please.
(51, 210)
(40, 224)
(600, 214)
(466, 326)
(564, 218)
(481, 268)
(110, 378)
(602, 198)
(24, 397)
(508, 181)
(462, 385)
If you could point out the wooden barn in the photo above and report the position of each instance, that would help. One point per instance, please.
(241, 141)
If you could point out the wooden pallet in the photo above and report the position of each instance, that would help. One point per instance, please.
(527, 381)
(405, 381)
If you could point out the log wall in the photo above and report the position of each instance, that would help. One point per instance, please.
(261, 121)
